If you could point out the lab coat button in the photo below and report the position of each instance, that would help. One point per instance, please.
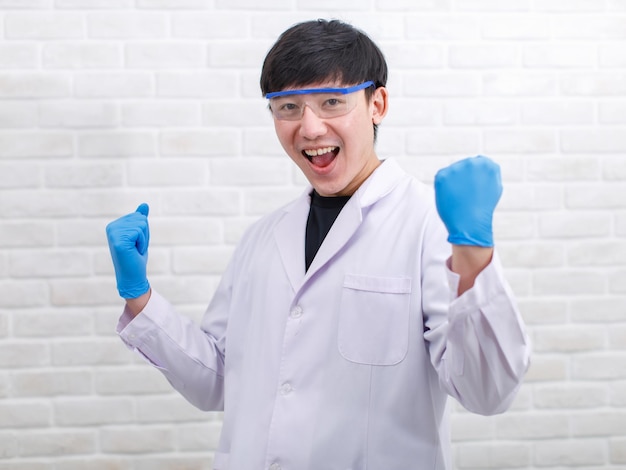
(296, 312)
(274, 466)
(286, 389)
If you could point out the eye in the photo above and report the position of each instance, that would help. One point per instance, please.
(332, 103)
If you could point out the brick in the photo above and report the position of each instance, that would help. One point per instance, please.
(532, 425)
(617, 390)
(617, 282)
(200, 437)
(250, 172)
(53, 443)
(573, 224)
(82, 56)
(572, 168)
(24, 4)
(471, 427)
(560, 56)
(34, 85)
(263, 201)
(114, 85)
(23, 293)
(569, 339)
(50, 383)
(95, 4)
(67, 114)
(415, 55)
(40, 144)
(543, 312)
(190, 230)
(507, 83)
(620, 223)
(117, 144)
(608, 195)
(593, 140)
(161, 114)
(235, 114)
(574, 452)
(21, 204)
(125, 25)
(24, 354)
(614, 168)
(483, 56)
(39, 263)
(499, 456)
(617, 337)
(261, 143)
(494, 5)
(191, 84)
(253, 5)
(597, 84)
(480, 112)
(19, 175)
(44, 25)
(437, 84)
(599, 423)
(571, 282)
(52, 324)
(567, 6)
(210, 25)
(443, 142)
(162, 173)
(532, 255)
(204, 143)
(174, 4)
(617, 450)
(597, 253)
(84, 175)
(535, 197)
(25, 414)
(80, 352)
(18, 56)
(130, 381)
(448, 26)
(169, 409)
(603, 309)
(194, 260)
(570, 395)
(8, 445)
(92, 411)
(165, 55)
(129, 440)
(81, 292)
(237, 54)
(612, 111)
(557, 112)
(519, 141)
(612, 56)
(18, 114)
(516, 27)
(599, 366)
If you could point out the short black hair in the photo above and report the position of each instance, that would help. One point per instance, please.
(321, 50)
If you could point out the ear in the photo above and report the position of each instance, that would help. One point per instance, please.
(379, 104)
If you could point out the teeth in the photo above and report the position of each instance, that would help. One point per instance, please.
(314, 152)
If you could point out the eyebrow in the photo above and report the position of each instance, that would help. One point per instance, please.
(343, 91)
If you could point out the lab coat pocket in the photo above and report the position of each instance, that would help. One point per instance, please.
(374, 319)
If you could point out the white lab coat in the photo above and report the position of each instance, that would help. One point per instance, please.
(347, 366)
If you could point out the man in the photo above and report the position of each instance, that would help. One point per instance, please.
(345, 319)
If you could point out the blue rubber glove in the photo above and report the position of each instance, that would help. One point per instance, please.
(466, 194)
(128, 239)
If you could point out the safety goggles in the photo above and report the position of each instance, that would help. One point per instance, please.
(326, 103)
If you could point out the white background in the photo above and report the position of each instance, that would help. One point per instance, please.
(105, 104)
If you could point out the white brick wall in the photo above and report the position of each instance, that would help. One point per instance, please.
(108, 103)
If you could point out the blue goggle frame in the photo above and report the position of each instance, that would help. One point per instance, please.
(306, 91)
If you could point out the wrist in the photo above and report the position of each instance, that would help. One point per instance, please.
(136, 305)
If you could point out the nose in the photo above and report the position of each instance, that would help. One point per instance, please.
(311, 126)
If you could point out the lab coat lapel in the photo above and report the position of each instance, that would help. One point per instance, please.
(289, 235)
(347, 223)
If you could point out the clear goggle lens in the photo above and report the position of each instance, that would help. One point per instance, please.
(326, 103)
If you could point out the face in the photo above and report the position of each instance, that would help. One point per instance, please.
(335, 154)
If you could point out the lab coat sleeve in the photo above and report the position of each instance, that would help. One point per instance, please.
(478, 346)
(190, 356)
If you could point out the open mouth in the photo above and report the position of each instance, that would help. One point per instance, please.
(321, 157)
